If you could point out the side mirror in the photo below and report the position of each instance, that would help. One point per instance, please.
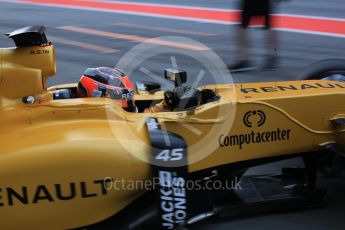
(177, 76)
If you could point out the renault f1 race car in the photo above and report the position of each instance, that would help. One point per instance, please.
(71, 162)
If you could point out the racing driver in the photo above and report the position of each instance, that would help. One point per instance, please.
(113, 83)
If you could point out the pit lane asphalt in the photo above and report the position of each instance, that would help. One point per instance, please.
(297, 51)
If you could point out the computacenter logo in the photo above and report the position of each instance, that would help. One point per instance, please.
(254, 119)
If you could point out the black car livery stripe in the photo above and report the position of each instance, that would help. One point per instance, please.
(169, 164)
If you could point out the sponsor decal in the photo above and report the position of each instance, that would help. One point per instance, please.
(28, 195)
(248, 118)
(42, 100)
(127, 96)
(152, 124)
(39, 52)
(173, 199)
(254, 138)
(295, 87)
(254, 118)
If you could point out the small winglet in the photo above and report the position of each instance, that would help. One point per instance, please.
(338, 120)
(29, 36)
(334, 148)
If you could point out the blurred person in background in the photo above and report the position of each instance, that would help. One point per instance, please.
(250, 9)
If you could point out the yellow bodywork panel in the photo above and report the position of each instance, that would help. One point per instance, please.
(24, 71)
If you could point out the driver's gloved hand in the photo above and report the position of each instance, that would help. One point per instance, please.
(167, 105)
(180, 99)
(170, 99)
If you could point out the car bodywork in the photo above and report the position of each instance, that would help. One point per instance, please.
(55, 154)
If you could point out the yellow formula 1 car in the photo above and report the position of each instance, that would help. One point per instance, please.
(87, 163)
